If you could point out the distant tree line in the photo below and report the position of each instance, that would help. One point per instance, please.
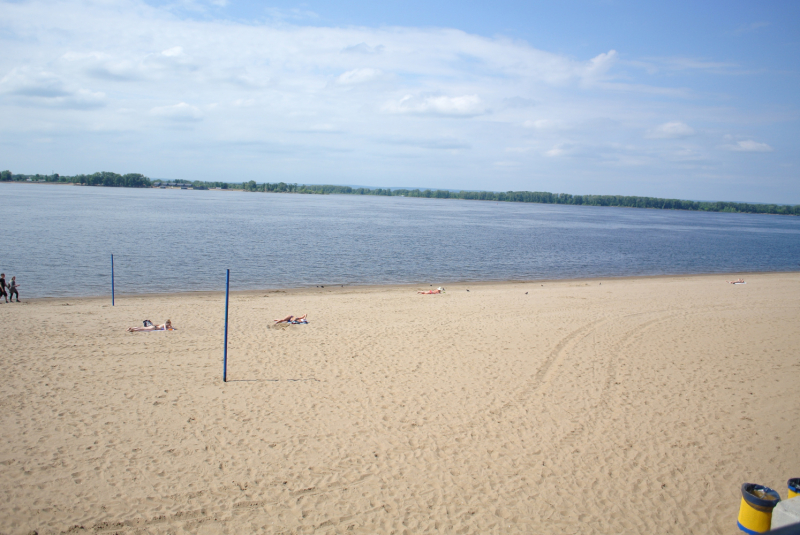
(107, 179)
(135, 180)
(103, 178)
(543, 197)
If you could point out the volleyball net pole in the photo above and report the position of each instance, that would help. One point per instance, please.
(112, 280)
(225, 351)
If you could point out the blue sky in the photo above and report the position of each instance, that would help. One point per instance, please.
(682, 100)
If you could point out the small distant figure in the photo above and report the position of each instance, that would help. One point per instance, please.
(148, 326)
(526, 293)
(12, 289)
(293, 320)
(3, 286)
(737, 281)
(436, 291)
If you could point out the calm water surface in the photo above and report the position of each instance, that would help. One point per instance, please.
(58, 240)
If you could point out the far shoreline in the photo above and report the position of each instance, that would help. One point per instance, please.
(596, 200)
(370, 288)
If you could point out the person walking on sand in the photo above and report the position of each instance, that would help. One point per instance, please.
(3, 286)
(12, 289)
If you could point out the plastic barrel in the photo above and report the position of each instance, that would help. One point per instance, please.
(755, 513)
(794, 487)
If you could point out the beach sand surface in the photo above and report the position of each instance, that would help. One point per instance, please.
(635, 405)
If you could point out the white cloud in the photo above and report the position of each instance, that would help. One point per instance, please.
(42, 88)
(173, 52)
(102, 65)
(464, 106)
(558, 150)
(83, 98)
(670, 130)
(677, 64)
(541, 124)
(39, 84)
(322, 127)
(519, 102)
(447, 144)
(363, 48)
(749, 146)
(358, 76)
(280, 14)
(178, 112)
(78, 56)
(599, 66)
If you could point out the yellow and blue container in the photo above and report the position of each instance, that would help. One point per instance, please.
(755, 511)
(794, 487)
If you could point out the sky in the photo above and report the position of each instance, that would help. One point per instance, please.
(689, 100)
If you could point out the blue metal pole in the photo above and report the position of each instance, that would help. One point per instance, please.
(112, 280)
(225, 353)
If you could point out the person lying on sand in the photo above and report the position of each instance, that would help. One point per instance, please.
(436, 291)
(740, 281)
(292, 319)
(167, 326)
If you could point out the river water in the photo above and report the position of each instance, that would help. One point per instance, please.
(58, 240)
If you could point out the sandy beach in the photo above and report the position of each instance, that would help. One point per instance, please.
(635, 405)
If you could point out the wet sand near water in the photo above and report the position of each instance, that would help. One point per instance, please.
(596, 406)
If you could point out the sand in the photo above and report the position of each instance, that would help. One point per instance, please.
(592, 406)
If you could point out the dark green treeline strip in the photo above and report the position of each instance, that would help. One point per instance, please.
(140, 181)
(132, 180)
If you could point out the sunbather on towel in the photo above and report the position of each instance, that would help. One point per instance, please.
(166, 326)
(292, 319)
(740, 281)
(436, 291)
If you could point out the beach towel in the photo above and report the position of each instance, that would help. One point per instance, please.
(285, 324)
